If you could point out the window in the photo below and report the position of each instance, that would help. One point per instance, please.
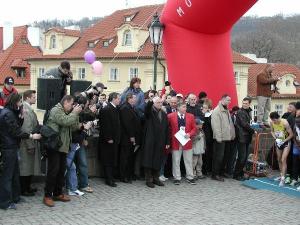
(237, 77)
(81, 73)
(105, 43)
(91, 44)
(52, 41)
(114, 74)
(127, 41)
(41, 72)
(20, 72)
(133, 72)
(279, 109)
(127, 18)
(24, 41)
(288, 83)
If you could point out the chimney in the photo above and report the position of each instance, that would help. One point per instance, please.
(20, 31)
(1, 39)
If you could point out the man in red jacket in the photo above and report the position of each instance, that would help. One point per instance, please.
(7, 90)
(185, 121)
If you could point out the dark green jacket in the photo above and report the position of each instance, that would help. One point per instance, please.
(64, 124)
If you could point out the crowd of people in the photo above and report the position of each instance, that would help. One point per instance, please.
(139, 135)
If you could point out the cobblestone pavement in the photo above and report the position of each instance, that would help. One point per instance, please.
(208, 202)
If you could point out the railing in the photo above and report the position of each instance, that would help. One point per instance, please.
(256, 164)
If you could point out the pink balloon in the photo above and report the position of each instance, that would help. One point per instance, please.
(90, 56)
(97, 68)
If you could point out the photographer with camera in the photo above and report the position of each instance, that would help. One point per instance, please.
(64, 73)
(63, 118)
(76, 158)
(94, 90)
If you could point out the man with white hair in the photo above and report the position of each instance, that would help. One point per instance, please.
(192, 106)
(155, 141)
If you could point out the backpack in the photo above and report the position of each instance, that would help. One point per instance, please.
(51, 140)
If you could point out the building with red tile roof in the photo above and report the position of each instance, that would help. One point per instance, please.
(290, 75)
(106, 30)
(13, 59)
(121, 42)
(289, 90)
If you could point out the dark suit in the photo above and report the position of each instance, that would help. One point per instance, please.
(130, 127)
(110, 129)
(170, 110)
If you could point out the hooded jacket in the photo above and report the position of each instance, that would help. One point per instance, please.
(5, 93)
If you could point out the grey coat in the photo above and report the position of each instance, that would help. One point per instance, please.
(222, 125)
(30, 156)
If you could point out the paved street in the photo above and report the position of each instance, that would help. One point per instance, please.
(208, 202)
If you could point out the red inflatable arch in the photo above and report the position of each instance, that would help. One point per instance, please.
(197, 45)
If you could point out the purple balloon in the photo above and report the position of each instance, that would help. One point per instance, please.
(90, 56)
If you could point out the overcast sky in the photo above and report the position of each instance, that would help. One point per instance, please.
(20, 12)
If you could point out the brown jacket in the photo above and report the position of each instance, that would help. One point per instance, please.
(264, 81)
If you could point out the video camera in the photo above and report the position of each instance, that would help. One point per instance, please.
(96, 89)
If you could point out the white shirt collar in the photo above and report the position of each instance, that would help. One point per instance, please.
(180, 115)
(113, 104)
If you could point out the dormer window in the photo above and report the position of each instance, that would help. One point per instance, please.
(24, 41)
(127, 18)
(288, 83)
(105, 43)
(91, 44)
(127, 39)
(52, 42)
(20, 72)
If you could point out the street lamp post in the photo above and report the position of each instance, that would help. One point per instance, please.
(156, 30)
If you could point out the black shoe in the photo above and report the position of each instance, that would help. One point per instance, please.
(191, 181)
(129, 181)
(226, 175)
(27, 194)
(111, 183)
(124, 180)
(201, 177)
(158, 183)
(19, 201)
(177, 182)
(217, 178)
(150, 184)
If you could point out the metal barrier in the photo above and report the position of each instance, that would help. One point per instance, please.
(256, 164)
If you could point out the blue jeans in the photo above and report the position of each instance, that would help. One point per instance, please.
(10, 178)
(163, 163)
(71, 176)
(82, 167)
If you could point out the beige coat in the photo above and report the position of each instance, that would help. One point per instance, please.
(222, 125)
(30, 156)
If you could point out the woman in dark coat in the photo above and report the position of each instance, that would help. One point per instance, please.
(10, 137)
(109, 137)
(156, 139)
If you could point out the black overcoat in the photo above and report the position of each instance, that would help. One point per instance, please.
(110, 129)
(156, 137)
(130, 125)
